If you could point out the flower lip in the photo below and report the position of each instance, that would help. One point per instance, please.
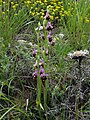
(49, 26)
(41, 63)
(41, 70)
(42, 36)
(52, 43)
(49, 37)
(44, 76)
(35, 74)
(46, 51)
(34, 52)
(47, 16)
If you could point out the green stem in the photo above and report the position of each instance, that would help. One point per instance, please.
(39, 81)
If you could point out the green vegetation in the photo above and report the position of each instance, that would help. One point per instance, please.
(44, 60)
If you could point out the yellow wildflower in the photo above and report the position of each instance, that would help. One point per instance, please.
(51, 17)
(57, 7)
(56, 17)
(62, 8)
(3, 13)
(15, 14)
(87, 20)
(42, 13)
(33, 13)
(28, 2)
(59, 3)
(4, 2)
(7, 10)
(12, 3)
(45, 0)
(14, 7)
(53, 13)
(41, 17)
(62, 15)
(54, 3)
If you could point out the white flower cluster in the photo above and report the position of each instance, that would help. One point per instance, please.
(39, 28)
(77, 54)
(24, 42)
(61, 35)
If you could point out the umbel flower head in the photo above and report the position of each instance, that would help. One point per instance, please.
(78, 54)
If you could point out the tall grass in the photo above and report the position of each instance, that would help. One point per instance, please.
(11, 22)
(77, 23)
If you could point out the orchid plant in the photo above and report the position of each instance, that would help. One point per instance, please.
(44, 38)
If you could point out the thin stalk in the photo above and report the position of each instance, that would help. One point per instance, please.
(7, 112)
(76, 109)
(46, 81)
(39, 82)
